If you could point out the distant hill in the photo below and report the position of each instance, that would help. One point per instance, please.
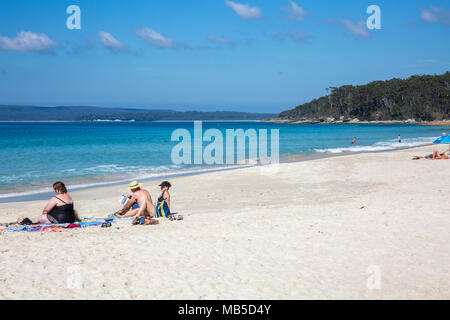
(418, 98)
(83, 113)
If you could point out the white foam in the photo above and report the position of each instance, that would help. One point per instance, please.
(114, 168)
(141, 176)
(381, 146)
(26, 193)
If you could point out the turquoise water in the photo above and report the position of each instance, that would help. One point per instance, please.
(34, 155)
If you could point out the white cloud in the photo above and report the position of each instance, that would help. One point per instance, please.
(295, 12)
(293, 36)
(219, 39)
(111, 43)
(154, 38)
(244, 11)
(357, 28)
(435, 14)
(427, 16)
(27, 41)
(79, 47)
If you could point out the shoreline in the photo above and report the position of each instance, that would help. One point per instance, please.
(34, 195)
(34, 188)
(83, 121)
(41, 195)
(434, 123)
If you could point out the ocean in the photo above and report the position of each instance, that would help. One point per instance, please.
(85, 154)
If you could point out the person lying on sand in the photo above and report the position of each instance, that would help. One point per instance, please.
(144, 202)
(434, 156)
(58, 210)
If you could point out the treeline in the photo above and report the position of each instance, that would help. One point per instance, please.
(83, 113)
(419, 98)
(180, 116)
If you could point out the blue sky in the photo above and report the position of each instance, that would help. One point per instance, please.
(244, 55)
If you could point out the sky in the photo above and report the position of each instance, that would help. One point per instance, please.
(208, 55)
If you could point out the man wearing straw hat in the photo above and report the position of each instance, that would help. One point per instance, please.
(143, 200)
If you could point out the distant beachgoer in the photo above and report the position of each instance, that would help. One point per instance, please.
(58, 210)
(140, 203)
(444, 133)
(354, 140)
(399, 138)
(436, 155)
(163, 204)
(439, 156)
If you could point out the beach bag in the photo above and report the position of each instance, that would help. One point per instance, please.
(162, 209)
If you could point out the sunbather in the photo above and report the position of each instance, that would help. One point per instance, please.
(143, 200)
(58, 210)
(439, 156)
(434, 156)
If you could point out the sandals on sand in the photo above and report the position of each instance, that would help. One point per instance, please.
(175, 216)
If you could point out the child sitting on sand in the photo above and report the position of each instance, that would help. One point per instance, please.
(163, 204)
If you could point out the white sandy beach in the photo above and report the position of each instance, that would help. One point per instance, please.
(315, 229)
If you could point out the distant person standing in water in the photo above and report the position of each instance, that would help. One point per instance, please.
(354, 140)
(399, 138)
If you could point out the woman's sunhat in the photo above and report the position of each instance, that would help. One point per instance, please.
(134, 185)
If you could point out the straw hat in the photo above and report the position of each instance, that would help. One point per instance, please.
(134, 185)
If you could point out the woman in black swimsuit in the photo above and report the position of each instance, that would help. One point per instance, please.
(58, 210)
